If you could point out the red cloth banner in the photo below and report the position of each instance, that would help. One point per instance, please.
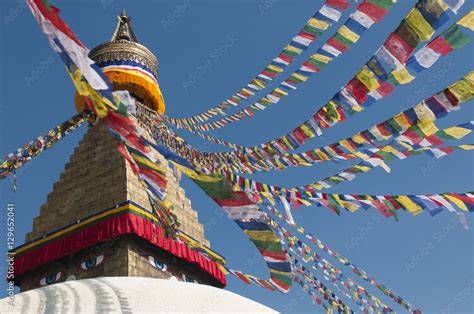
(113, 227)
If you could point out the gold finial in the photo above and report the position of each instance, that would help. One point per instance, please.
(124, 30)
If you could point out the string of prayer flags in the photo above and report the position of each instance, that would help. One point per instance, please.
(305, 276)
(327, 15)
(339, 43)
(411, 132)
(355, 96)
(274, 157)
(152, 176)
(350, 289)
(322, 263)
(139, 153)
(113, 107)
(326, 293)
(86, 75)
(307, 194)
(248, 279)
(250, 219)
(354, 292)
(358, 95)
(452, 38)
(247, 215)
(22, 155)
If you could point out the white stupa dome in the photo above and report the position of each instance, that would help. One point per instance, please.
(130, 295)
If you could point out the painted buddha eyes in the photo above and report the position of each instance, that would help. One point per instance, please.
(92, 262)
(157, 263)
(49, 280)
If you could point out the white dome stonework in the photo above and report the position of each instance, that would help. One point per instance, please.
(130, 295)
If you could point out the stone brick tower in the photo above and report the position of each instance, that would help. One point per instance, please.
(97, 221)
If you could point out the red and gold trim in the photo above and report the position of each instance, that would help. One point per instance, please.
(124, 219)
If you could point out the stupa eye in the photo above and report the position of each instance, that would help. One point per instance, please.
(157, 263)
(49, 280)
(92, 262)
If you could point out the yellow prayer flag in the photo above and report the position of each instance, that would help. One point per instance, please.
(346, 144)
(321, 155)
(269, 197)
(423, 112)
(457, 132)
(262, 235)
(84, 89)
(148, 163)
(322, 58)
(318, 24)
(362, 168)
(274, 68)
(347, 205)
(427, 127)
(298, 158)
(259, 83)
(403, 76)
(419, 25)
(402, 120)
(463, 90)
(287, 143)
(194, 175)
(293, 49)
(349, 34)
(390, 149)
(407, 146)
(367, 77)
(317, 186)
(377, 302)
(247, 184)
(413, 208)
(245, 90)
(280, 91)
(467, 147)
(467, 20)
(359, 139)
(306, 130)
(299, 76)
(360, 155)
(457, 201)
(304, 202)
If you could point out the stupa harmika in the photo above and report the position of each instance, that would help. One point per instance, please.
(97, 222)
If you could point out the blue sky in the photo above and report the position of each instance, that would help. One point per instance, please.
(427, 260)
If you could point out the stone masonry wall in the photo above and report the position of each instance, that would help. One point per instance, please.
(97, 177)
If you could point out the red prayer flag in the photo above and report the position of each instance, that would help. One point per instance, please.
(286, 58)
(440, 45)
(336, 44)
(357, 90)
(373, 11)
(398, 47)
(299, 135)
(311, 66)
(338, 4)
(307, 35)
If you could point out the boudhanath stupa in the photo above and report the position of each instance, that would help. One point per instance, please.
(95, 246)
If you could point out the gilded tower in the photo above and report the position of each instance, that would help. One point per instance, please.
(98, 221)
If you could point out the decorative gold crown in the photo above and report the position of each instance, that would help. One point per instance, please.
(124, 45)
(129, 65)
